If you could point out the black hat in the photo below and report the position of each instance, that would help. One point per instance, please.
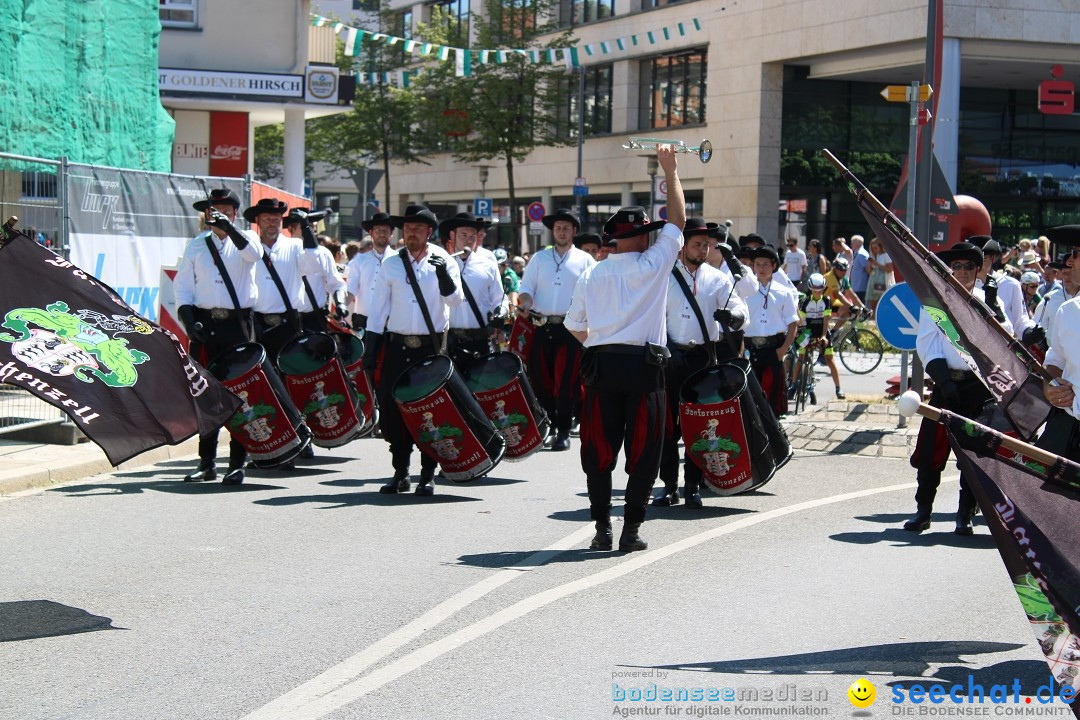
(630, 222)
(549, 220)
(588, 238)
(1059, 263)
(961, 251)
(266, 205)
(1064, 235)
(746, 240)
(462, 219)
(698, 226)
(218, 196)
(416, 213)
(987, 244)
(379, 218)
(765, 251)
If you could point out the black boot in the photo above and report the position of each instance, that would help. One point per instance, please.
(426, 486)
(964, 517)
(235, 476)
(669, 497)
(920, 520)
(399, 484)
(603, 538)
(693, 495)
(630, 541)
(206, 472)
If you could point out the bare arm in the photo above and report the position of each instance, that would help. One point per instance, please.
(676, 202)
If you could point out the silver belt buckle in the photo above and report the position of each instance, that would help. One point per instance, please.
(218, 313)
(411, 341)
(272, 320)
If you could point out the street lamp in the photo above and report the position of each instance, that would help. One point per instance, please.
(483, 179)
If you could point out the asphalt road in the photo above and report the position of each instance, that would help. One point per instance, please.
(310, 595)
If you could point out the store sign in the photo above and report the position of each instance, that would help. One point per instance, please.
(321, 84)
(210, 82)
(1057, 96)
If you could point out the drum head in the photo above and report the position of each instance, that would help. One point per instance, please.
(237, 361)
(423, 378)
(350, 347)
(492, 371)
(714, 384)
(306, 354)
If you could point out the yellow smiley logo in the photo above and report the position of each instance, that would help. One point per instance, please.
(861, 693)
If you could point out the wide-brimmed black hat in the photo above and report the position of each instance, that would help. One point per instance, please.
(550, 219)
(698, 226)
(961, 251)
(218, 196)
(1064, 235)
(379, 218)
(746, 240)
(586, 238)
(416, 213)
(986, 243)
(1059, 262)
(462, 219)
(266, 205)
(630, 222)
(765, 251)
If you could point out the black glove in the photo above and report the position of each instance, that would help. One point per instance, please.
(299, 217)
(195, 330)
(372, 342)
(990, 296)
(1034, 335)
(722, 316)
(737, 268)
(497, 317)
(222, 222)
(939, 372)
(446, 283)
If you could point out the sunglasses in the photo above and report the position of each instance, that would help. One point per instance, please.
(963, 266)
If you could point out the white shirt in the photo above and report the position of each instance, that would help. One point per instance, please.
(794, 262)
(485, 283)
(1064, 351)
(327, 280)
(393, 302)
(621, 301)
(362, 270)
(198, 281)
(1046, 311)
(932, 343)
(771, 309)
(291, 261)
(550, 278)
(712, 291)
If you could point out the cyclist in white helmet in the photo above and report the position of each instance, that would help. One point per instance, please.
(815, 311)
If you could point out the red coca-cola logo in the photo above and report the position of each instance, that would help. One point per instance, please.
(228, 152)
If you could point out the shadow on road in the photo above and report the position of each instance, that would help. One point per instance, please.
(343, 500)
(29, 619)
(178, 487)
(511, 558)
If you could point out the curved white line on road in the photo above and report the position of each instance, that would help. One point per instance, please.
(316, 699)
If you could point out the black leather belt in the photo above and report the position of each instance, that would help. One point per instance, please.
(218, 313)
(961, 374)
(271, 319)
(689, 347)
(410, 341)
(765, 341)
(635, 350)
(469, 333)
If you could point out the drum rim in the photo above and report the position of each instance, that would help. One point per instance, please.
(295, 342)
(711, 368)
(442, 383)
(220, 357)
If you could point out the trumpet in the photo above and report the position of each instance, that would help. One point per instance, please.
(703, 151)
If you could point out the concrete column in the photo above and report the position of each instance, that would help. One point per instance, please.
(627, 195)
(947, 127)
(545, 200)
(293, 160)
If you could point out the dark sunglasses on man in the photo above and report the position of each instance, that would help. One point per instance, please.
(969, 266)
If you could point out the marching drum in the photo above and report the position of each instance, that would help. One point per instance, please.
(319, 387)
(268, 425)
(446, 421)
(351, 351)
(725, 433)
(502, 388)
(521, 337)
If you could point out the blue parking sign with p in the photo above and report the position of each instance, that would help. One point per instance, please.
(482, 207)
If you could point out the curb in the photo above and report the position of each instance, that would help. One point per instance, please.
(849, 428)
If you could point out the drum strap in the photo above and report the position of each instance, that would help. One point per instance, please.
(289, 312)
(440, 344)
(315, 307)
(224, 273)
(709, 347)
(472, 302)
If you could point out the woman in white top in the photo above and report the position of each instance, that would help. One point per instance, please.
(880, 268)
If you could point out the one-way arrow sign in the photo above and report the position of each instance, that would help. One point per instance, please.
(898, 316)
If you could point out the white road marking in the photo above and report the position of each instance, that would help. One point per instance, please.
(336, 687)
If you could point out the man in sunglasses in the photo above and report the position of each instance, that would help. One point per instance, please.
(956, 388)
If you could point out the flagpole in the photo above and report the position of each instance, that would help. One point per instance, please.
(904, 234)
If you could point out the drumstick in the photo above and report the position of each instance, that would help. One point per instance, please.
(463, 252)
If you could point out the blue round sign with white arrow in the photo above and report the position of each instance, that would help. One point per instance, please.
(898, 316)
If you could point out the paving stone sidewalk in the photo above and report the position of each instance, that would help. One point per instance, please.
(853, 428)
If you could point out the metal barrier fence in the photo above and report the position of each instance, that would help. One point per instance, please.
(31, 189)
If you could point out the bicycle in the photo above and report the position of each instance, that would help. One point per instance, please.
(860, 350)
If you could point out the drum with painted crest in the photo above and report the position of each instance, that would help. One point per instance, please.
(502, 388)
(319, 386)
(351, 351)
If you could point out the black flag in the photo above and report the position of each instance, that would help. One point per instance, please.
(71, 341)
(1007, 369)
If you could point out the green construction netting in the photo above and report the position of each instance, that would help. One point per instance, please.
(79, 78)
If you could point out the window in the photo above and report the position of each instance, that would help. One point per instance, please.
(366, 5)
(650, 4)
(454, 16)
(511, 20)
(38, 185)
(579, 12)
(673, 90)
(178, 13)
(597, 102)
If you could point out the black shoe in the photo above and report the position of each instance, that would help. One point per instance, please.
(399, 484)
(693, 498)
(603, 539)
(562, 442)
(426, 486)
(308, 452)
(235, 476)
(206, 472)
(630, 541)
(920, 520)
(964, 518)
(575, 429)
(667, 498)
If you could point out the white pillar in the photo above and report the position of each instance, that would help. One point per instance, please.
(545, 200)
(627, 193)
(293, 160)
(947, 127)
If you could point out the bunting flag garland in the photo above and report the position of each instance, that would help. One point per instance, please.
(465, 58)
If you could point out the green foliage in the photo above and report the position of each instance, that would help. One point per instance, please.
(269, 151)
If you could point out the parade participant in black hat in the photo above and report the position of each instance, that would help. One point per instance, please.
(774, 320)
(364, 266)
(555, 357)
(996, 283)
(618, 312)
(398, 334)
(590, 243)
(473, 322)
(1062, 434)
(319, 287)
(698, 295)
(752, 242)
(1067, 288)
(215, 308)
(956, 388)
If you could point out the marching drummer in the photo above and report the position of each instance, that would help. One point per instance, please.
(481, 283)
(699, 298)
(319, 287)
(364, 266)
(774, 321)
(399, 334)
(618, 313)
(555, 356)
(215, 308)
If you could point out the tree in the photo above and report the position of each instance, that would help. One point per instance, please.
(269, 151)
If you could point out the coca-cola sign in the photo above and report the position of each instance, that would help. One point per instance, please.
(228, 152)
(228, 143)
